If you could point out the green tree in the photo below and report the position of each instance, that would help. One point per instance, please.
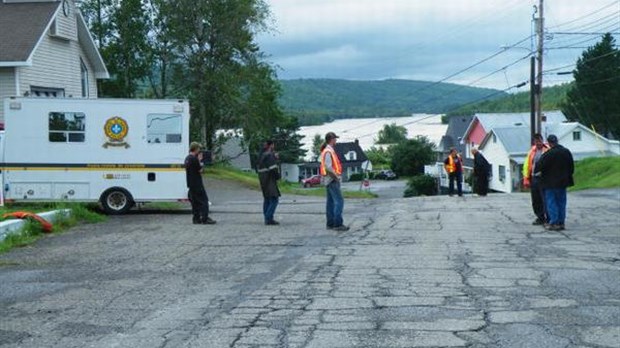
(409, 157)
(317, 141)
(392, 134)
(288, 141)
(379, 157)
(594, 97)
(216, 41)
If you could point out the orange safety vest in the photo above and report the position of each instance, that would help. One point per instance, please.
(336, 165)
(451, 166)
(529, 162)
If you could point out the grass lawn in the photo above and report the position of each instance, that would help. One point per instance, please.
(250, 180)
(32, 230)
(597, 173)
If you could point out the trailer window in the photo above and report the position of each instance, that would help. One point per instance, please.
(163, 128)
(67, 127)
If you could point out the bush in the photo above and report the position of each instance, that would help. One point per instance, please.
(409, 158)
(356, 177)
(421, 185)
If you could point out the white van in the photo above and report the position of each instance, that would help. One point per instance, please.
(114, 151)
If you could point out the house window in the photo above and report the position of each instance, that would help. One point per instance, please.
(67, 127)
(84, 72)
(351, 156)
(163, 128)
(577, 136)
(494, 138)
(45, 92)
(502, 173)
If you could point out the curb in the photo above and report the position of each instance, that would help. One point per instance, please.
(9, 226)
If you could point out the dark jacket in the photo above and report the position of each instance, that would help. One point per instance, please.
(482, 168)
(192, 173)
(556, 168)
(268, 174)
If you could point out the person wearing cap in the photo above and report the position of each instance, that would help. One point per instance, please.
(533, 182)
(197, 194)
(555, 168)
(454, 167)
(331, 173)
(268, 175)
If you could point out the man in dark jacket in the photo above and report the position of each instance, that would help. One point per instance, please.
(268, 175)
(482, 169)
(555, 169)
(197, 194)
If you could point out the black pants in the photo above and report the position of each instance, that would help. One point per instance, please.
(538, 200)
(481, 184)
(200, 204)
(458, 177)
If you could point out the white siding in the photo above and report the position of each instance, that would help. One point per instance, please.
(67, 25)
(496, 154)
(56, 64)
(7, 87)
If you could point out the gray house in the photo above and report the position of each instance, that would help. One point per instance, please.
(46, 50)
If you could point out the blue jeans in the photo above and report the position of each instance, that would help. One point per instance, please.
(269, 208)
(335, 204)
(555, 200)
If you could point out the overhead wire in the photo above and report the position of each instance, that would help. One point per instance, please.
(587, 15)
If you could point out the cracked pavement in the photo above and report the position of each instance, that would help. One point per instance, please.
(421, 272)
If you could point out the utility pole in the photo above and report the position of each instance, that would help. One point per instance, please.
(540, 31)
(532, 98)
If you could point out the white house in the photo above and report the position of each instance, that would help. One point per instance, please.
(483, 123)
(506, 148)
(46, 50)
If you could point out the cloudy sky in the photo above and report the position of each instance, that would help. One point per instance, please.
(427, 39)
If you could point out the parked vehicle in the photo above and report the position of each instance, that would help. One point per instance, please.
(113, 151)
(314, 180)
(386, 175)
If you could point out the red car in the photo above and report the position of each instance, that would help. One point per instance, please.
(314, 180)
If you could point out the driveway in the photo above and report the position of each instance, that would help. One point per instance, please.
(420, 272)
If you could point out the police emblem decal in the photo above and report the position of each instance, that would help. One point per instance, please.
(116, 130)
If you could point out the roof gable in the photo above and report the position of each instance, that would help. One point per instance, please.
(516, 140)
(23, 25)
(489, 121)
(457, 125)
(343, 148)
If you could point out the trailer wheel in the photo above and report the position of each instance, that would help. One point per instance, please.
(116, 201)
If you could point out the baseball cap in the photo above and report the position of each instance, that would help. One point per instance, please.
(331, 135)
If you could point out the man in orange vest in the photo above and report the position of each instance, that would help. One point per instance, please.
(454, 167)
(331, 173)
(533, 182)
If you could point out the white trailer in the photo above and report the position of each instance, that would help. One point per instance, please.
(114, 151)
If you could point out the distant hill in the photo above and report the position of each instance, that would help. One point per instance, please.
(315, 101)
(553, 97)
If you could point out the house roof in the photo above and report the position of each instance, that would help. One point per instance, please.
(344, 148)
(500, 120)
(516, 140)
(23, 24)
(23, 27)
(457, 125)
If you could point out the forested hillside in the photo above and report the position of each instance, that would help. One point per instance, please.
(553, 97)
(315, 101)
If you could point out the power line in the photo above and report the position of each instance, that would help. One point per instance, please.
(587, 15)
(585, 61)
(432, 84)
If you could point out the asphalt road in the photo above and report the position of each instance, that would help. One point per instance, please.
(422, 272)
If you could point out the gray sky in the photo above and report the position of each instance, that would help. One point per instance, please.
(426, 39)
